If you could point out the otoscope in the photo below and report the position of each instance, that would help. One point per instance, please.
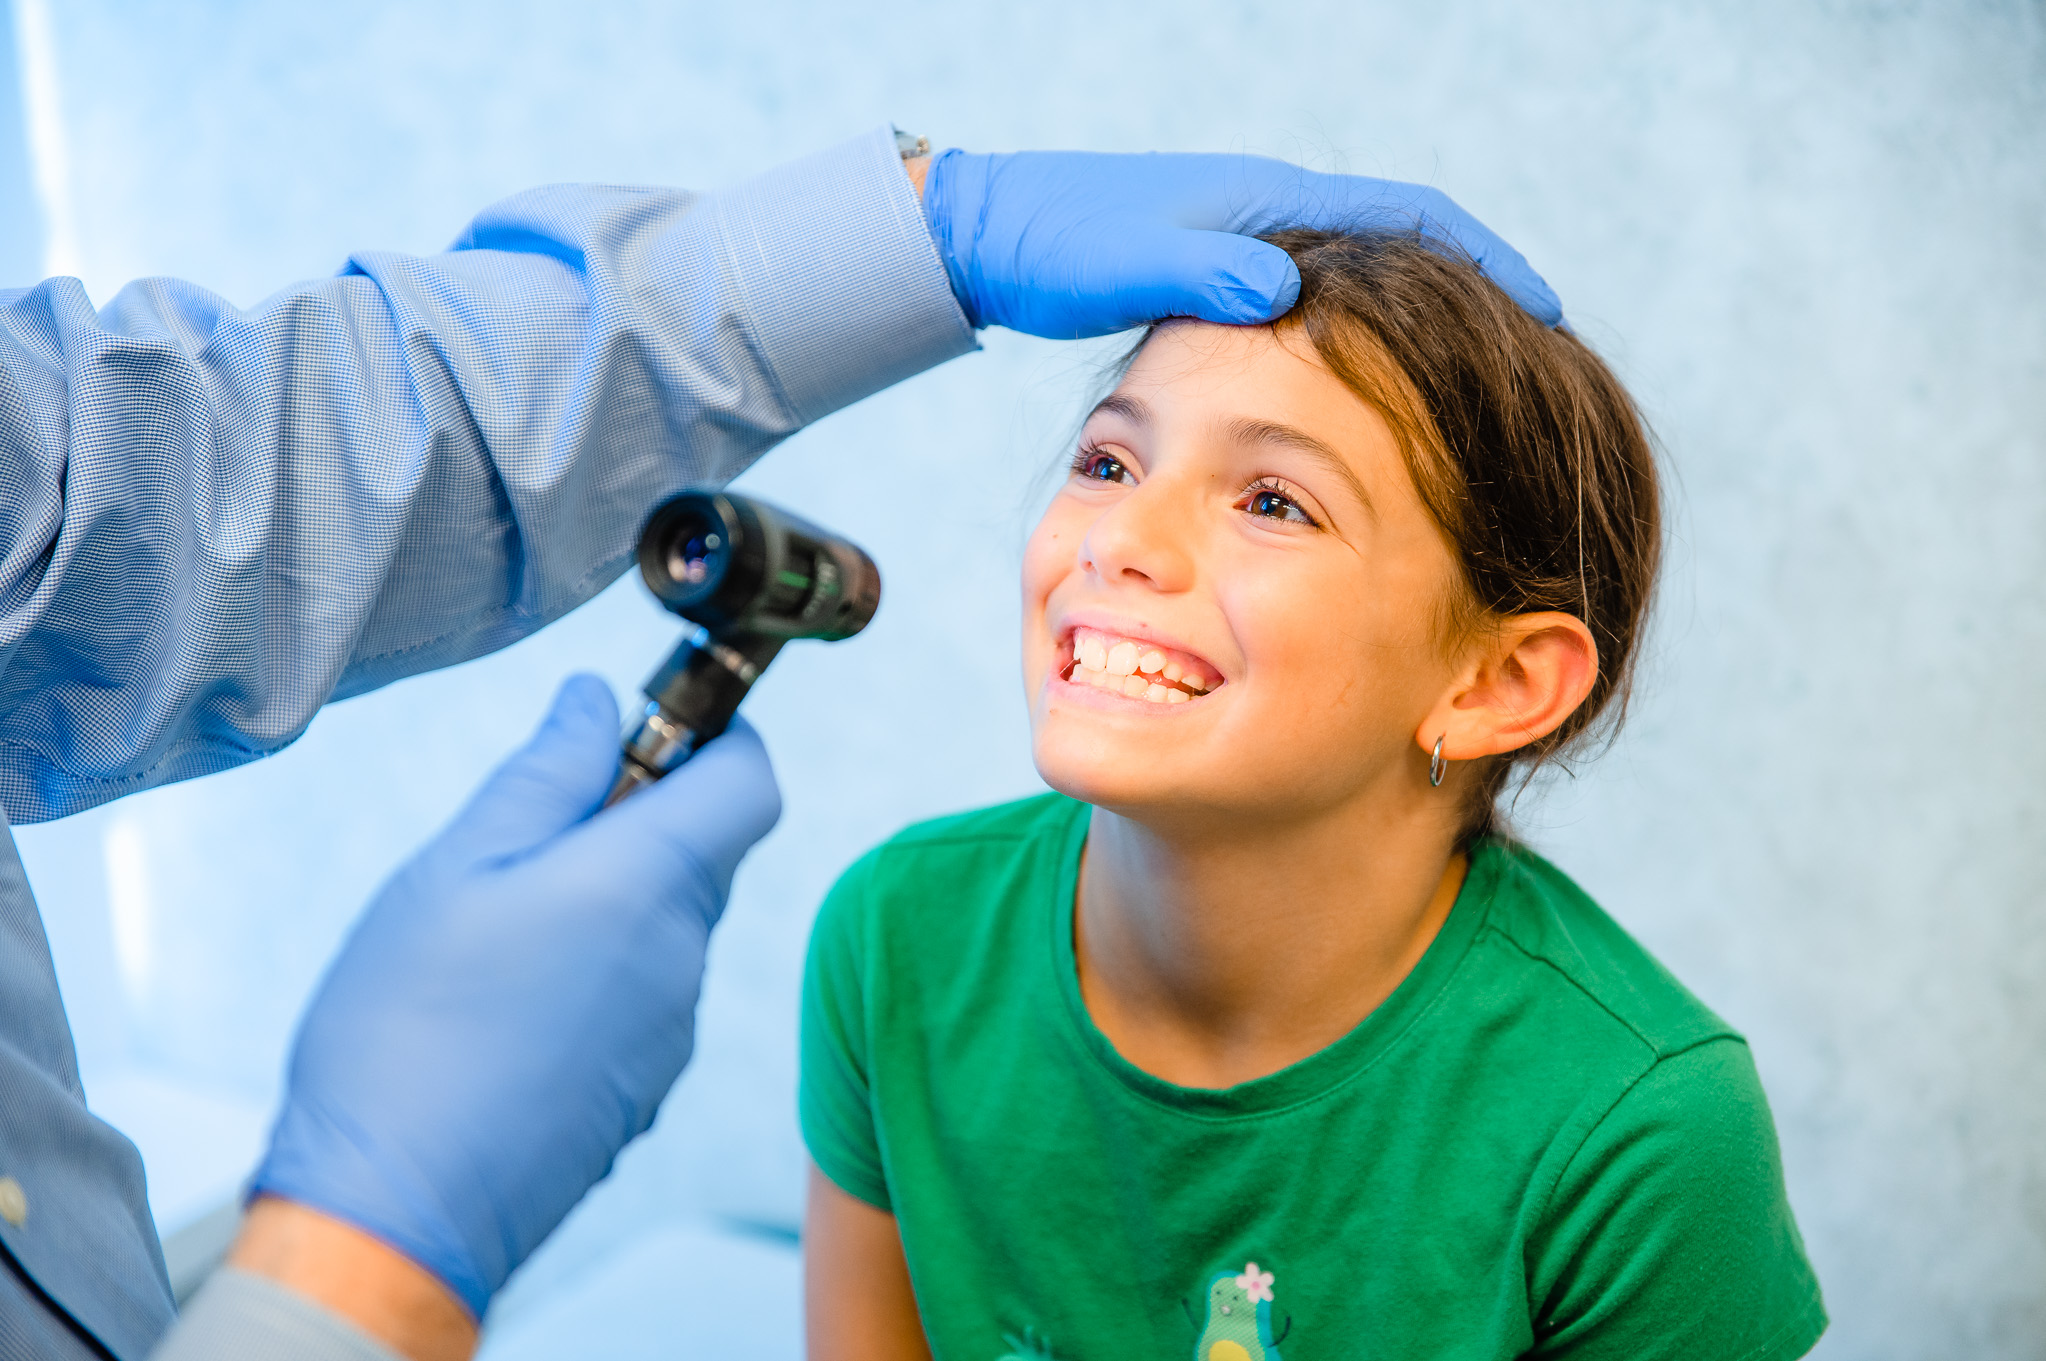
(750, 577)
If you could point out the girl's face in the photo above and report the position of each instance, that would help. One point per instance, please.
(1233, 604)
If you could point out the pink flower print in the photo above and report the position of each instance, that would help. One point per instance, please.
(1254, 1283)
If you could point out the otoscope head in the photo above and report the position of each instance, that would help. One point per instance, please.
(739, 566)
(752, 577)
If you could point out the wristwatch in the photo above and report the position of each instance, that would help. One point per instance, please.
(910, 145)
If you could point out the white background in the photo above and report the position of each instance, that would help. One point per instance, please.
(1811, 237)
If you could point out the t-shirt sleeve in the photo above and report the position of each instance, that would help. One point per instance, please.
(1669, 1233)
(835, 1097)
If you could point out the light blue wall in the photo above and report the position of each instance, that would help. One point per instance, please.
(1813, 238)
(21, 228)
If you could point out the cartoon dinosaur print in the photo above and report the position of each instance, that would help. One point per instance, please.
(1239, 1323)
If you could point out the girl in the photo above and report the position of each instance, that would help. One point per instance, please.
(1260, 1037)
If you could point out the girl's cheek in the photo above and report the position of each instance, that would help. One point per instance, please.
(1048, 555)
(1038, 578)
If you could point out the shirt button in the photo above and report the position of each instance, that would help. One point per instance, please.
(13, 1202)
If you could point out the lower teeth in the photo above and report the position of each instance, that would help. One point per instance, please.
(1135, 686)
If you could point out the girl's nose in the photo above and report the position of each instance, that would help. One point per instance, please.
(1143, 539)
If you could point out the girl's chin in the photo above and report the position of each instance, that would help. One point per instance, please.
(1182, 784)
(1123, 781)
(1169, 811)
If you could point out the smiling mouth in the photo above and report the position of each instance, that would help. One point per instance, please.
(1136, 669)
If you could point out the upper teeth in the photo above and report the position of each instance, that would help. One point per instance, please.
(1131, 669)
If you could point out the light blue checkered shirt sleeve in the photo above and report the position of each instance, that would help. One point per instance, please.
(214, 520)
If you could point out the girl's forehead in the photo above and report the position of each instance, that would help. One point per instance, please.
(1260, 372)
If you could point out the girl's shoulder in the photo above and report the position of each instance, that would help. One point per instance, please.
(944, 875)
(1021, 836)
(1543, 917)
(1031, 819)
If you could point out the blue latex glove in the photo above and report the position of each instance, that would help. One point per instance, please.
(515, 1004)
(1068, 244)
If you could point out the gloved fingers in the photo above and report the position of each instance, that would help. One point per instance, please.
(706, 814)
(1354, 203)
(1437, 215)
(1512, 272)
(1501, 263)
(556, 780)
(1215, 276)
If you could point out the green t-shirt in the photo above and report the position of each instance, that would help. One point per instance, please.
(1539, 1145)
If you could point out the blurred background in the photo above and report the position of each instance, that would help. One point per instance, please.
(1812, 237)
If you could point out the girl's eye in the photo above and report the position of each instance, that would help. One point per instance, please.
(1101, 466)
(1269, 501)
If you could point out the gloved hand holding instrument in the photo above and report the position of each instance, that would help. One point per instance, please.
(517, 1001)
(538, 959)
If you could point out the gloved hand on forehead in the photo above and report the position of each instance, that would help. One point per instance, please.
(513, 1007)
(1068, 244)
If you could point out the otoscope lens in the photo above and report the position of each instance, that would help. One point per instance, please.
(689, 561)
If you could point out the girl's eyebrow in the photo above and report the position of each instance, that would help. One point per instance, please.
(1123, 405)
(1247, 430)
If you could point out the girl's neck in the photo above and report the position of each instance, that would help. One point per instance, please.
(1210, 956)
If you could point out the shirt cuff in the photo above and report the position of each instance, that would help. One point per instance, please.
(238, 1316)
(839, 275)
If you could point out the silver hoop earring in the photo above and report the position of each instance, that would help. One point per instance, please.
(1436, 765)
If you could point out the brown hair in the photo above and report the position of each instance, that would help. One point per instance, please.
(1523, 445)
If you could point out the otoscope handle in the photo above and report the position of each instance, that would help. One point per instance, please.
(654, 745)
(631, 779)
(690, 700)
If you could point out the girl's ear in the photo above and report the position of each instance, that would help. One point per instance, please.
(1515, 688)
